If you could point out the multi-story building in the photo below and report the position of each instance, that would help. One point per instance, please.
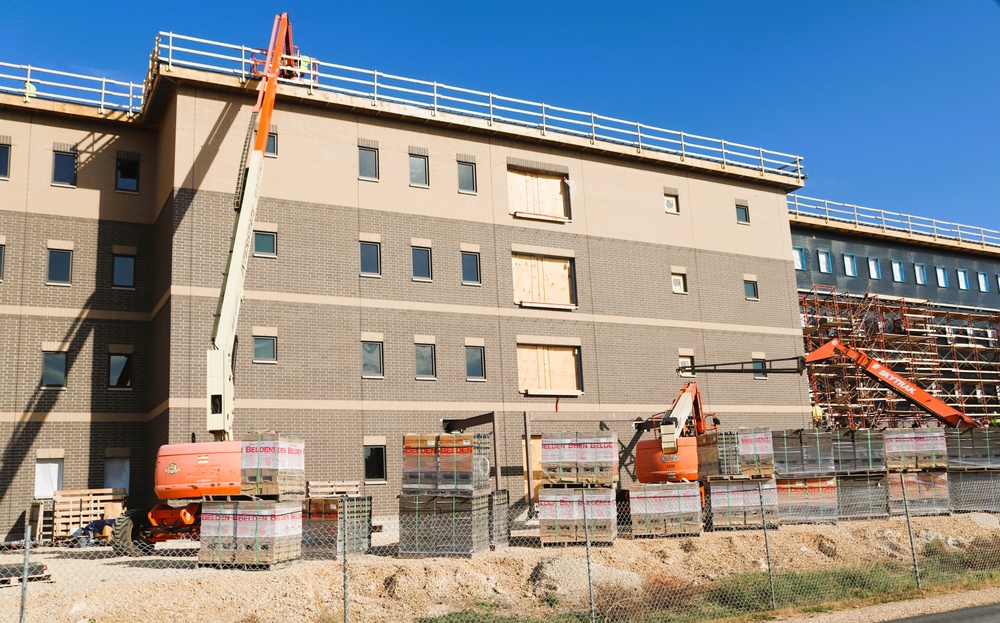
(420, 253)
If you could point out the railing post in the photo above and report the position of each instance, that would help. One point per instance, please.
(638, 137)
(958, 231)
(855, 206)
(723, 153)
(881, 215)
(682, 147)
(491, 109)
(27, 84)
(104, 89)
(934, 228)
(760, 151)
(798, 166)
(374, 88)
(131, 86)
(909, 224)
(243, 64)
(543, 118)
(170, 52)
(593, 130)
(435, 111)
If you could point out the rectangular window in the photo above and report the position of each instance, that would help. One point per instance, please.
(984, 281)
(53, 369)
(549, 370)
(850, 265)
(897, 271)
(942, 276)
(60, 266)
(117, 473)
(127, 172)
(963, 279)
(265, 244)
(470, 268)
(799, 258)
(418, 171)
(375, 467)
(874, 268)
(541, 280)
(120, 371)
(671, 204)
(825, 262)
(64, 168)
(4, 162)
(742, 214)
(48, 478)
(367, 163)
(265, 349)
(920, 274)
(750, 290)
(272, 145)
(424, 359)
(759, 369)
(684, 365)
(370, 261)
(421, 263)
(467, 177)
(123, 271)
(475, 363)
(371, 359)
(538, 194)
(679, 283)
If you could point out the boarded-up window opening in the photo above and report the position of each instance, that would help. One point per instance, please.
(534, 193)
(545, 368)
(544, 280)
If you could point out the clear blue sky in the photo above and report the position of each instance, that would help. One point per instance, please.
(894, 104)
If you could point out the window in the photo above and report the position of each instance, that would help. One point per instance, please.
(48, 478)
(742, 214)
(265, 244)
(679, 283)
(799, 258)
(265, 349)
(370, 262)
(418, 171)
(475, 363)
(467, 177)
(60, 266)
(874, 268)
(2, 248)
(123, 271)
(984, 282)
(671, 204)
(850, 265)
(120, 371)
(750, 289)
(684, 365)
(371, 359)
(272, 145)
(538, 195)
(53, 369)
(759, 369)
(963, 279)
(4, 161)
(117, 473)
(897, 271)
(64, 168)
(425, 364)
(375, 469)
(367, 163)
(546, 370)
(942, 276)
(127, 172)
(825, 263)
(470, 268)
(920, 274)
(544, 281)
(421, 263)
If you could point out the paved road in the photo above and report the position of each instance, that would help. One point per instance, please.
(979, 614)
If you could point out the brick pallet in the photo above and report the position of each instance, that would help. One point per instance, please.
(443, 525)
(974, 490)
(330, 522)
(446, 464)
(862, 496)
(926, 493)
(250, 533)
(580, 458)
(272, 465)
(915, 448)
(807, 500)
(736, 503)
(665, 509)
(746, 451)
(973, 448)
(803, 453)
(861, 450)
(571, 515)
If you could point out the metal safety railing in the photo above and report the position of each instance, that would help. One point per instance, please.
(832, 211)
(37, 83)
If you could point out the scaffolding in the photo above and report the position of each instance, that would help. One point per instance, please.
(953, 353)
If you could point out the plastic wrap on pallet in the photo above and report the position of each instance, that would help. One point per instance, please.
(926, 493)
(273, 464)
(973, 448)
(737, 503)
(665, 509)
(974, 491)
(597, 458)
(268, 532)
(862, 496)
(803, 453)
(756, 451)
(559, 453)
(570, 515)
(807, 500)
(858, 450)
(217, 543)
(915, 448)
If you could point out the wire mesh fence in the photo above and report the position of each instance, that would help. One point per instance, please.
(656, 553)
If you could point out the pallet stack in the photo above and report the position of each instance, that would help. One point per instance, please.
(744, 503)
(974, 469)
(737, 469)
(862, 485)
(273, 465)
(577, 498)
(743, 452)
(806, 476)
(665, 509)
(446, 464)
(74, 510)
(916, 459)
(339, 522)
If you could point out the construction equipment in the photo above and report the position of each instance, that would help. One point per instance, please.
(899, 385)
(673, 455)
(202, 471)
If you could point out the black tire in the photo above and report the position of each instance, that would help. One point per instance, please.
(126, 536)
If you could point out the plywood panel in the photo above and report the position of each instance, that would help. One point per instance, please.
(562, 367)
(523, 267)
(518, 185)
(536, 193)
(556, 280)
(550, 196)
(527, 366)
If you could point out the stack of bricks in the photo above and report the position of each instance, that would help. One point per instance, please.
(665, 509)
(862, 488)
(917, 459)
(577, 499)
(807, 500)
(433, 525)
(806, 484)
(742, 503)
(974, 469)
(446, 464)
(746, 452)
(338, 522)
(915, 448)
(250, 533)
(272, 466)
(919, 493)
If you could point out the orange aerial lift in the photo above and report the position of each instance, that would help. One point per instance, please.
(673, 455)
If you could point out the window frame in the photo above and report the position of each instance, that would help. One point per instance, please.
(824, 253)
(574, 301)
(896, 267)
(362, 244)
(576, 353)
(61, 475)
(482, 360)
(565, 216)
(919, 274)
(385, 465)
(941, 276)
(799, 258)
(981, 277)
(682, 278)
(381, 359)
(361, 175)
(677, 203)
(114, 271)
(742, 214)
(479, 268)
(269, 254)
(874, 268)
(56, 153)
(414, 249)
(48, 268)
(416, 361)
(850, 267)
(128, 469)
(475, 180)
(756, 290)
(118, 177)
(963, 279)
(270, 152)
(5, 175)
(760, 371)
(128, 363)
(273, 339)
(427, 170)
(65, 369)
(685, 361)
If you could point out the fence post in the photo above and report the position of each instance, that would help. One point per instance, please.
(27, 559)
(343, 537)
(909, 528)
(767, 544)
(590, 577)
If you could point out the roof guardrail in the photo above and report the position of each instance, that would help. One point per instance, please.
(104, 93)
(832, 211)
(182, 51)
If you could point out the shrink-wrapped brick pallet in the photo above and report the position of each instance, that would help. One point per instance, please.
(665, 509)
(420, 463)
(807, 500)
(803, 453)
(862, 496)
(571, 515)
(926, 493)
(250, 533)
(737, 503)
(273, 465)
(331, 522)
(915, 448)
(974, 491)
(446, 464)
(586, 458)
(973, 448)
(861, 450)
(443, 525)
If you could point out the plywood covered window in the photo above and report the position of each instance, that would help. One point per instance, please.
(532, 193)
(544, 281)
(546, 370)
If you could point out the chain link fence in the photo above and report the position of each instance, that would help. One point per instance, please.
(662, 553)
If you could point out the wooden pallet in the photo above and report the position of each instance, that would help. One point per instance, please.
(332, 488)
(976, 470)
(739, 477)
(73, 510)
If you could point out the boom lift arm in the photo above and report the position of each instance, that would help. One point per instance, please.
(901, 386)
(685, 415)
(220, 356)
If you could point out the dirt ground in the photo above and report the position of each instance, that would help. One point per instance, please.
(91, 585)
